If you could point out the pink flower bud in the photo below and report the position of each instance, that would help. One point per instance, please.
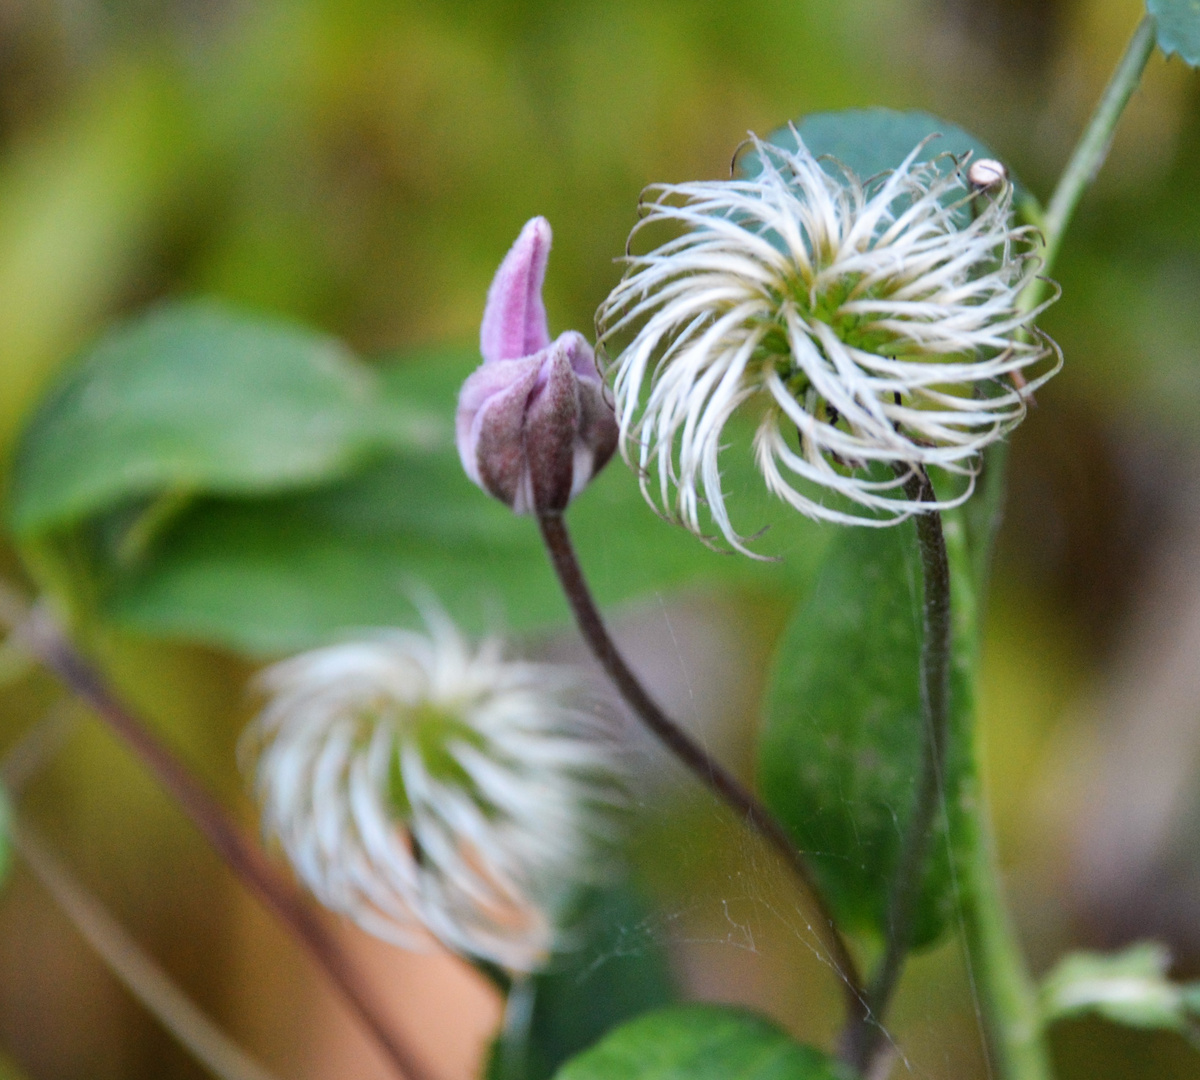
(533, 424)
(514, 319)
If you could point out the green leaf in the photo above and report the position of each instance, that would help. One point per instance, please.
(840, 753)
(1178, 26)
(871, 141)
(196, 398)
(619, 971)
(275, 570)
(1130, 987)
(701, 1042)
(9, 1070)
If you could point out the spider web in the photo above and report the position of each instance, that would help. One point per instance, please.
(736, 924)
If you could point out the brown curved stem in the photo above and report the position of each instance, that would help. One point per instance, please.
(709, 771)
(860, 1042)
(43, 638)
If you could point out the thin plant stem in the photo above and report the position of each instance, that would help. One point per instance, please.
(36, 747)
(710, 772)
(140, 974)
(861, 1039)
(1091, 150)
(1015, 1028)
(42, 637)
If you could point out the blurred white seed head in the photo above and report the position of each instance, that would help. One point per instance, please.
(422, 784)
(873, 325)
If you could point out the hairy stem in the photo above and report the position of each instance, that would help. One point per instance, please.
(861, 1039)
(1091, 150)
(710, 772)
(43, 638)
(144, 979)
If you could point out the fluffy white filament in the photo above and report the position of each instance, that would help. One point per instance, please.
(874, 328)
(419, 784)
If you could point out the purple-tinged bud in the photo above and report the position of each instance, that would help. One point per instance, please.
(533, 424)
(514, 320)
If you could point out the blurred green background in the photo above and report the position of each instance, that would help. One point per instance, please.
(361, 166)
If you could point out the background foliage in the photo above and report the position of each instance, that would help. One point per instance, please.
(360, 167)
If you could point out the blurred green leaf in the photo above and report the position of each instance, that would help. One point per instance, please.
(207, 476)
(1130, 987)
(5, 857)
(618, 971)
(840, 754)
(701, 1042)
(8, 1070)
(1178, 25)
(871, 141)
(266, 576)
(195, 398)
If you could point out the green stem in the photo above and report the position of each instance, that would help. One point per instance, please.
(997, 965)
(1091, 150)
(1015, 1028)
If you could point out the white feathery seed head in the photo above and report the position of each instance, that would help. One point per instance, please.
(873, 324)
(422, 785)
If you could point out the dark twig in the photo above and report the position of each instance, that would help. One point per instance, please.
(43, 638)
(710, 772)
(860, 1041)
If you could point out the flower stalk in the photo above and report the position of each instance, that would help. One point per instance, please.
(139, 973)
(860, 1042)
(1090, 152)
(710, 772)
(1015, 1024)
(1015, 1027)
(41, 636)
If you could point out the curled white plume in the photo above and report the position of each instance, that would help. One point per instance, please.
(874, 326)
(422, 784)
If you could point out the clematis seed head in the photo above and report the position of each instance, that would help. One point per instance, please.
(871, 327)
(428, 787)
(533, 423)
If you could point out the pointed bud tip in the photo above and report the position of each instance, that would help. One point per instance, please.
(514, 319)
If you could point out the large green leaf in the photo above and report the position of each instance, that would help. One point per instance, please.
(701, 1042)
(197, 398)
(871, 141)
(840, 753)
(1178, 26)
(618, 971)
(272, 575)
(267, 510)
